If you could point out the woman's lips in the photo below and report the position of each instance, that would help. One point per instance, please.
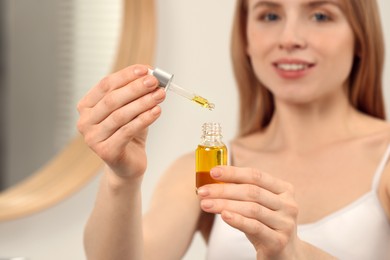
(292, 69)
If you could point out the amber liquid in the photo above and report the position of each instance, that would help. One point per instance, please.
(207, 158)
(203, 102)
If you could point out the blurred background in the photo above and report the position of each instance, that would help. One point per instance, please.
(52, 52)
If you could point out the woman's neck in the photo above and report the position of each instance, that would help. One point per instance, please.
(303, 128)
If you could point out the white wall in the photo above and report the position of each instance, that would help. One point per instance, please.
(193, 44)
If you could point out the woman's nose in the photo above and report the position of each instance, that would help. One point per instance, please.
(292, 37)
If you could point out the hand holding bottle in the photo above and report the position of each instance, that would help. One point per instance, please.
(261, 206)
(115, 115)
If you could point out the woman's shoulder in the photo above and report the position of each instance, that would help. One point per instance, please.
(375, 140)
(184, 160)
(183, 166)
(375, 130)
(252, 140)
(380, 141)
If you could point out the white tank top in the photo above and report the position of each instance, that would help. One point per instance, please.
(359, 231)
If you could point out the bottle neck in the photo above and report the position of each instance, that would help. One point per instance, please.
(212, 138)
(212, 134)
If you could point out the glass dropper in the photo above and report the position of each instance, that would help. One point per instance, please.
(165, 80)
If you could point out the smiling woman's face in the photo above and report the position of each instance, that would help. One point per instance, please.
(301, 50)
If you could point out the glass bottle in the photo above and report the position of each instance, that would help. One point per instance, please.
(211, 151)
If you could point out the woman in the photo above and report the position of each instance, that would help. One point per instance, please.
(309, 178)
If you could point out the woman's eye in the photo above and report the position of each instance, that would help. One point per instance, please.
(321, 17)
(269, 17)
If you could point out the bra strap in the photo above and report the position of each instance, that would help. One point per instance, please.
(381, 167)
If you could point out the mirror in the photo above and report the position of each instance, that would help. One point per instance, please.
(74, 165)
(50, 59)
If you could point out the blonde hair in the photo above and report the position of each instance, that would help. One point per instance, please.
(365, 81)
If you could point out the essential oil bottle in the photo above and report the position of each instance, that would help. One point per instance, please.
(211, 152)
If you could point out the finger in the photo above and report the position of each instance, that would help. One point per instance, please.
(123, 116)
(270, 218)
(240, 192)
(259, 233)
(111, 82)
(233, 174)
(122, 96)
(109, 148)
(111, 105)
(140, 123)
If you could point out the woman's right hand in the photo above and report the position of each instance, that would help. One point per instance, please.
(115, 115)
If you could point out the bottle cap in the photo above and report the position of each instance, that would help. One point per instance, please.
(164, 78)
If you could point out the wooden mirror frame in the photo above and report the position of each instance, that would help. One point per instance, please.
(76, 164)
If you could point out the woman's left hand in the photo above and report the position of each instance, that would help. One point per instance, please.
(258, 204)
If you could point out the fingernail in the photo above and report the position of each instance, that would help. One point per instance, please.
(203, 191)
(215, 173)
(156, 110)
(140, 71)
(207, 204)
(158, 95)
(149, 81)
(227, 215)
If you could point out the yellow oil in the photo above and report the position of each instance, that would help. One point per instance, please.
(207, 158)
(203, 102)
